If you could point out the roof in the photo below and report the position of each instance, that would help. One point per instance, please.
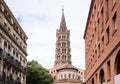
(67, 66)
(68, 81)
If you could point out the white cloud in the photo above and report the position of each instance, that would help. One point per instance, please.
(41, 18)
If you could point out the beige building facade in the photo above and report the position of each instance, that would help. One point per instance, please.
(63, 71)
(13, 48)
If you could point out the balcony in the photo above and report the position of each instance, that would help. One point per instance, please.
(5, 80)
(117, 79)
(14, 62)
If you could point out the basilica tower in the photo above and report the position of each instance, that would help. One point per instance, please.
(63, 55)
(63, 71)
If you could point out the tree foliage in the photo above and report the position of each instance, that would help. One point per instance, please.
(36, 74)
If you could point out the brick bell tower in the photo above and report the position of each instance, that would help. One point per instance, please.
(63, 50)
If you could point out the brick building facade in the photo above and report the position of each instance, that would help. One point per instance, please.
(102, 42)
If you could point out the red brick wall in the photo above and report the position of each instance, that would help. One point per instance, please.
(102, 40)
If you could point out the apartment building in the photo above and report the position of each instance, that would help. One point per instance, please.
(12, 48)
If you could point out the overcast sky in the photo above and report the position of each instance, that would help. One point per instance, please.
(41, 18)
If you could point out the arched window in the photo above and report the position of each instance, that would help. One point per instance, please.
(69, 75)
(65, 50)
(62, 56)
(59, 57)
(78, 77)
(93, 81)
(73, 75)
(61, 76)
(117, 64)
(102, 76)
(65, 57)
(65, 76)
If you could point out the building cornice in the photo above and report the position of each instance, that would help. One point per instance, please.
(89, 15)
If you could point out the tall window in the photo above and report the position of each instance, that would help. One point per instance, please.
(93, 81)
(69, 75)
(114, 21)
(102, 20)
(108, 71)
(98, 29)
(107, 35)
(117, 63)
(102, 76)
(98, 50)
(62, 56)
(65, 57)
(107, 10)
(63, 37)
(78, 77)
(5, 43)
(61, 76)
(65, 76)
(73, 76)
(102, 43)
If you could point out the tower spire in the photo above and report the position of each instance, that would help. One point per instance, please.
(63, 23)
(63, 50)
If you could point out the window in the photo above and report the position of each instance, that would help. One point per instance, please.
(114, 21)
(73, 75)
(102, 76)
(93, 81)
(69, 75)
(78, 77)
(61, 76)
(98, 50)
(5, 43)
(81, 73)
(58, 44)
(63, 37)
(63, 44)
(102, 43)
(13, 52)
(102, 20)
(59, 38)
(108, 71)
(107, 10)
(107, 35)
(16, 54)
(65, 76)
(98, 29)
(65, 57)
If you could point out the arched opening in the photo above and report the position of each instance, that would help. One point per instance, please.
(69, 75)
(93, 81)
(65, 76)
(78, 77)
(117, 64)
(102, 76)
